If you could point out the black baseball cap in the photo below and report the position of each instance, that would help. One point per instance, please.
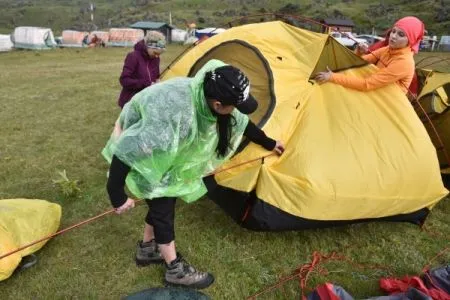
(230, 86)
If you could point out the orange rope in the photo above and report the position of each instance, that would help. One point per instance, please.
(58, 233)
(240, 164)
(110, 211)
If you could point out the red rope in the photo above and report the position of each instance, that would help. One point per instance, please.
(303, 272)
(427, 266)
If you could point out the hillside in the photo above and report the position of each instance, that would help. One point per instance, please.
(66, 14)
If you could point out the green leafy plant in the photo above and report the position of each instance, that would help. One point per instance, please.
(68, 187)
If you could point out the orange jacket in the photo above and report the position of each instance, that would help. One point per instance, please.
(394, 66)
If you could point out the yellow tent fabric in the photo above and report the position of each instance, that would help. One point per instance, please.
(349, 155)
(23, 221)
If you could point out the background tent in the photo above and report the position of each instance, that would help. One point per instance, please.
(124, 37)
(33, 38)
(444, 44)
(5, 42)
(435, 99)
(73, 38)
(178, 35)
(23, 221)
(350, 156)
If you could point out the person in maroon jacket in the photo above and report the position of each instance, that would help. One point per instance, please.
(141, 67)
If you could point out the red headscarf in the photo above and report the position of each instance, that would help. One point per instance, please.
(414, 29)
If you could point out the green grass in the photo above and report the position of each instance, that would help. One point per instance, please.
(58, 108)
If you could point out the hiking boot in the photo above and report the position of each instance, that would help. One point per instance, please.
(148, 253)
(180, 273)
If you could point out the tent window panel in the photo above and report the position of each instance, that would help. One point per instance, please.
(252, 63)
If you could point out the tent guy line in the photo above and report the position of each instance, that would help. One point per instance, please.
(261, 158)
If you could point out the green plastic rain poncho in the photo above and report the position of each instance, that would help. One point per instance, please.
(169, 138)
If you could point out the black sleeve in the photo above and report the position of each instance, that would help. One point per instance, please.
(257, 136)
(118, 172)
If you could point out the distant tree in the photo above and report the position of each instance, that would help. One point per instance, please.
(229, 13)
(338, 14)
(289, 9)
(243, 21)
(442, 13)
(201, 20)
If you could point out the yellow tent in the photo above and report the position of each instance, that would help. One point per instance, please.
(434, 97)
(350, 156)
(23, 221)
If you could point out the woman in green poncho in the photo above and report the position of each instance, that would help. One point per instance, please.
(167, 138)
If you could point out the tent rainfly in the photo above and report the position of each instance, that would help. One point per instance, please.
(350, 156)
(35, 38)
(5, 42)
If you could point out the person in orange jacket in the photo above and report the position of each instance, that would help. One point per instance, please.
(395, 61)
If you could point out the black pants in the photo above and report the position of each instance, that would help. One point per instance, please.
(161, 215)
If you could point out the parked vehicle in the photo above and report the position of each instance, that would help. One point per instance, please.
(370, 39)
(347, 39)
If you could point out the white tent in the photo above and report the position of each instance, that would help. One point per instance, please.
(444, 44)
(33, 38)
(5, 42)
(178, 35)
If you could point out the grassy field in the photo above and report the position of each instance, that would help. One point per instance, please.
(58, 108)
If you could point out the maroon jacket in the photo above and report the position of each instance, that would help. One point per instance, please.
(139, 72)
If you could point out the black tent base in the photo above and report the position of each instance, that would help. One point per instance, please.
(254, 214)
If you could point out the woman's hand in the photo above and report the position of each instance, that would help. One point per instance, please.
(279, 147)
(362, 48)
(129, 204)
(117, 130)
(323, 77)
